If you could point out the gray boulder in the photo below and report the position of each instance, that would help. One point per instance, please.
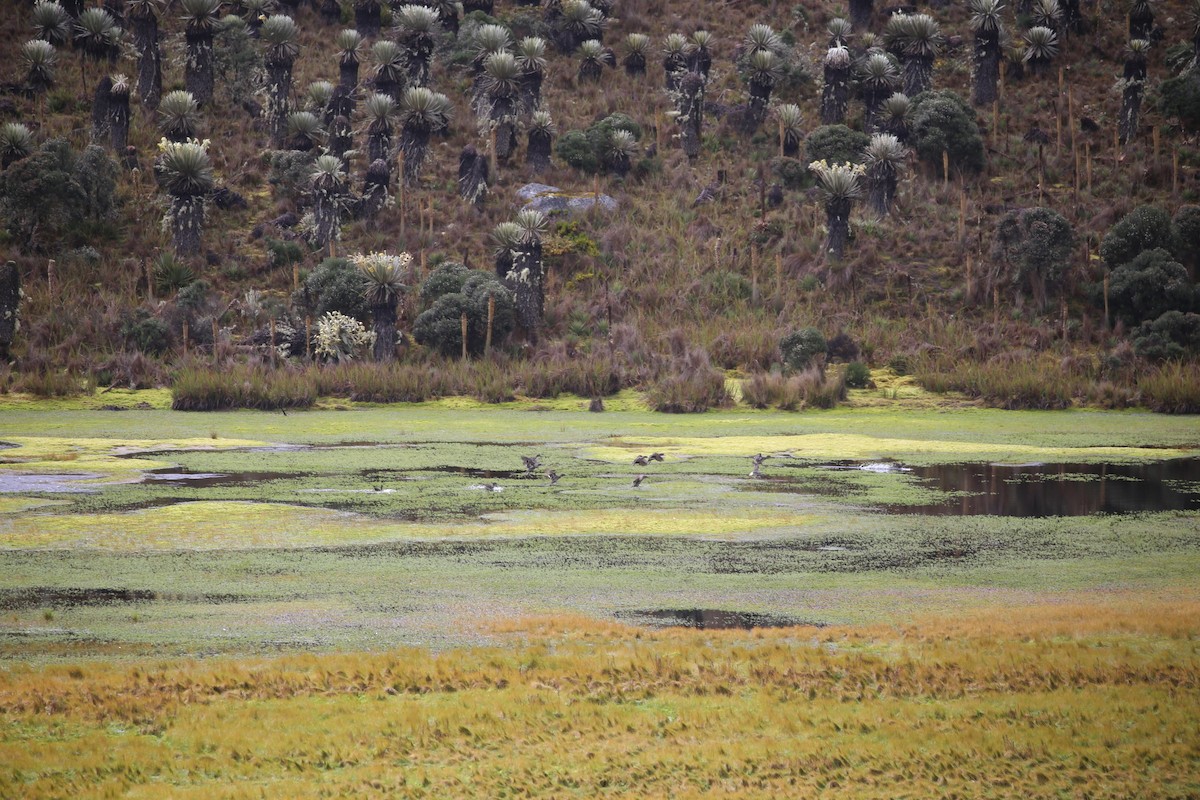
(550, 199)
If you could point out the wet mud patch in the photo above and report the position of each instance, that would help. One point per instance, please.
(711, 619)
(201, 480)
(57, 597)
(25, 598)
(29, 483)
(1059, 490)
(472, 472)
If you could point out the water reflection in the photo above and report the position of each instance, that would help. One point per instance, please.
(1060, 490)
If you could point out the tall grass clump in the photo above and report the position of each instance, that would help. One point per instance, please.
(1021, 385)
(243, 386)
(1174, 388)
(688, 391)
(52, 383)
(807, 389)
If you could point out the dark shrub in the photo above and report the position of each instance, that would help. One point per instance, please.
(1144, 228)
(1173, 335)
(47, 198)
(447, 278)
(942, 121)
(801, 348)
(194, 296)
(1179, 97)
(1032, 251)
(836, 144)
(842, 348)
(1187, 229)
(440, 326)
(147, 333)
(335, 285)
(1149, 286)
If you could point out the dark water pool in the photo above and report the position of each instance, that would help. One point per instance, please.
(709, 619)
(1059, 490)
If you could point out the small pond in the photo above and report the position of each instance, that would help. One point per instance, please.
(1059, 490)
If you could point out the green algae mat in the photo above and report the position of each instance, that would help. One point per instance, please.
(366, 527)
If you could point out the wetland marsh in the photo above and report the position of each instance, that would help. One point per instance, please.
(272, 572)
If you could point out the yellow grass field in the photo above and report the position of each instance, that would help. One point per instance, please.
(1085, 695)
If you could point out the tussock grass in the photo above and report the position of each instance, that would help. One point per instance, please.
(809, 389)
(204, 389)
(52, 383)
(587, 708)
(1011, 386)
(212, 389)
(688, 392)
(1174, 389)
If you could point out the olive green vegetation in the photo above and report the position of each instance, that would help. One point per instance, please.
(373, 527)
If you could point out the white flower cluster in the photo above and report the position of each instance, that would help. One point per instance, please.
(341, 338)
(824, 169)
(387, 261)
(165, 145)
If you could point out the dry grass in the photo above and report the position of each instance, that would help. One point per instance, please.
(902, 289)
(1094, 696)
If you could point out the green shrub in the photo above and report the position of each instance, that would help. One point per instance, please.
(941, 121)
(803, 348)
(1144, 228)
(857, 375)
(791, 172)
(290, 171)
(1150, 285)
(147, 333)
(447, 278)
(587, 150)
(574, 149)
(836, 144)
(1173, 335)
(236, 59)
(453, 290)
(335, 285)
(284, 253)
(1179, 97)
